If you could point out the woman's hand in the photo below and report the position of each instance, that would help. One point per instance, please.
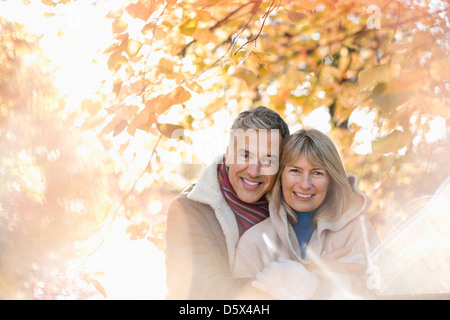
(286, 279)
(342, 260)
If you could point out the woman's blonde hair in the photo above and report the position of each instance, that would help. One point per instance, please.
(319, 150)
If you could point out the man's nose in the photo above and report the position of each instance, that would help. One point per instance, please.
(254, 170)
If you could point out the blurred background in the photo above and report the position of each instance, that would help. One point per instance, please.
(110, 108)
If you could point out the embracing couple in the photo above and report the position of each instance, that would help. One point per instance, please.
(275, 217)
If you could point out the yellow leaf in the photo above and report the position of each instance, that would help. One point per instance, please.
(119, 26)
(165, 66)
(247, 75)
(133, 47)
(116, 60)
(188, 27)
(391, 142)
(372, 76)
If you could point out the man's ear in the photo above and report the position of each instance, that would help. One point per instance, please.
(227, 159)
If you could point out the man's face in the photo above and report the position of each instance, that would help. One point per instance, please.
(252, 161)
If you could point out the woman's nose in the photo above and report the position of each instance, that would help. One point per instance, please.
(305, 181)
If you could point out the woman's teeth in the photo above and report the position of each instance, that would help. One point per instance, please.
(303, 196)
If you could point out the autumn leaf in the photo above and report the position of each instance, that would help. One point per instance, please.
(247, 75)
(188, 27)
(372, 76)
(143, 120)
(99, 287)
(162, 103)
(397, 91)
(306, 4)
(120, 127)
(119, 26)
(296, 16)
(93, 107)
(388, 100)
(116, 60)
(172, 131)
(391, 142)
(143, 9)
(133, 47)
(439, 69)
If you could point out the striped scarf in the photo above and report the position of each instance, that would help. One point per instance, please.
(247, 214)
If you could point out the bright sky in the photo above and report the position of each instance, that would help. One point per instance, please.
(71, 40)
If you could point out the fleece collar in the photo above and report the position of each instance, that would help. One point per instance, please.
(207, 191)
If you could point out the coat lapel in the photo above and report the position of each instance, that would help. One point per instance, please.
(207, 191)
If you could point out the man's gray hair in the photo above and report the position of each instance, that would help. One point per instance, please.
(261, 118)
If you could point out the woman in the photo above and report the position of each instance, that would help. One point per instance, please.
(316, 242)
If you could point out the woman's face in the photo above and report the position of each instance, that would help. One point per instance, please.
(304, 185)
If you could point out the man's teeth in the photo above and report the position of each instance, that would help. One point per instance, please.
(251, 183)
(303, 196)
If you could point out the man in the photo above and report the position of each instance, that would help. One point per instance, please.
(205, 222)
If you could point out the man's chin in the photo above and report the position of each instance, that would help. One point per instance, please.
(249, 198)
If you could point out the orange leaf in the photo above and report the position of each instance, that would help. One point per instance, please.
(116, 60)
(120, 127)
(162, 103)
(306, 4)
(170, 130)
(143, 9)
(99, 287)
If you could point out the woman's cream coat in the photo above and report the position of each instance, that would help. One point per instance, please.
(275, 238)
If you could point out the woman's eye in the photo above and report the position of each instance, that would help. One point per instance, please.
(319, 173)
